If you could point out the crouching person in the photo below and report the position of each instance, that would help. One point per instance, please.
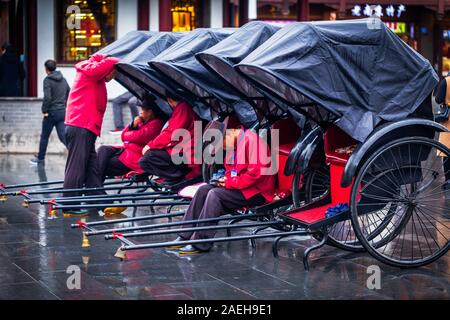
(248, 182)
(157, 155)
(118, 161)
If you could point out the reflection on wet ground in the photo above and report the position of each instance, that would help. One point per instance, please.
(35, 253)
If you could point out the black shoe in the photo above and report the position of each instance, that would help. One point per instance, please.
(190, 249)
(75, 213)
(35, 160)
(176, 247)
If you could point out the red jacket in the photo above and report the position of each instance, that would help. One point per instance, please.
(134, 140)
(183, 117)
(253, 175)
(86, 104)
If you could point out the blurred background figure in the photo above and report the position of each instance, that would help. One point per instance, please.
(12, 72)
(118, 103)
(56, 92)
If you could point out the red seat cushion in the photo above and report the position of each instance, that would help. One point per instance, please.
(285, 149)
(336, 158)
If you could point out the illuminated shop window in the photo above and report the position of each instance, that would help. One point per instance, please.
(183, 15)
(277, 10)
(97, 21)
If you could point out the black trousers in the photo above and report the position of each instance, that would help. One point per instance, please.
(211, 202)
(82, 163)
(54, 119)
(159, 162)
(109, 164)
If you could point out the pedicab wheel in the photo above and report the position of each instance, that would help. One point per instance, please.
(313, 186)
(406, 174)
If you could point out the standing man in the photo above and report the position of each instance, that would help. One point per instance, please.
(443, 98)
(86, 107)
(56, 91)
(11, 72)
(118, 103)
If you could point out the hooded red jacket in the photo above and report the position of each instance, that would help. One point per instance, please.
(253, 175)
(87, 100)
(183, 117)
(134, 140)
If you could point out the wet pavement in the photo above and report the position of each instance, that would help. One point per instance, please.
(35, 253)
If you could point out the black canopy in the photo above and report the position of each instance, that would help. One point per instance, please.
(134, 73)
(123, 46)
(357, 69)
(203, 91)
(221, 58)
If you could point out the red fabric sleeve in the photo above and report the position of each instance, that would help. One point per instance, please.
(246, 178)
(98, 66)
(144, 133)
(182, 118)
(250, 175)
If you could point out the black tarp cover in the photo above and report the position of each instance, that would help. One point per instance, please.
(358, 69)
(221, 58)
(134, 73)
(179, 64)
(126, 44)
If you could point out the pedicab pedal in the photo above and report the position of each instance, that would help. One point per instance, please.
(121, 254)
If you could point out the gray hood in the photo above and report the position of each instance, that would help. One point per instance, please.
(56, 76)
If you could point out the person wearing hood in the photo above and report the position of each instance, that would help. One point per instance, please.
(56, 91)
(86, 107)
(11, 72)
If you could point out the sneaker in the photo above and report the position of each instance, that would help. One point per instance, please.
(116, 216)
(176, 247)
(75, 213)
(114, 210)
(116, 131)
(190, 249)
(35, 160)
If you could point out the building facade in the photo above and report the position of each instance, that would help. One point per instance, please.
(71, 30)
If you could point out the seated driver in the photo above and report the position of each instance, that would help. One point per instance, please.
(118, 161)
(157, 154)
(248, 182)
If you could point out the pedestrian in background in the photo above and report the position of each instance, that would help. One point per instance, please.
(442, 97)
(118, 103)
(11, 72)
(56, 91)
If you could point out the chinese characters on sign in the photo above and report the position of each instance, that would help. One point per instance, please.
(378, 10)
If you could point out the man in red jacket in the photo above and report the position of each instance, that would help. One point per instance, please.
(157, 155)
(248, 182)
(86, 107)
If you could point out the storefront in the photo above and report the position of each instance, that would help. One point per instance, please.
(415, 22)
(71, 30)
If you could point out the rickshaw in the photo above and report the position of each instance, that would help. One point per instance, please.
(377, 130)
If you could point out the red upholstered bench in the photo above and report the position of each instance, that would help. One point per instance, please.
(338, 146)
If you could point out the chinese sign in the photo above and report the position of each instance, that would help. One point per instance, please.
(378, 10)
